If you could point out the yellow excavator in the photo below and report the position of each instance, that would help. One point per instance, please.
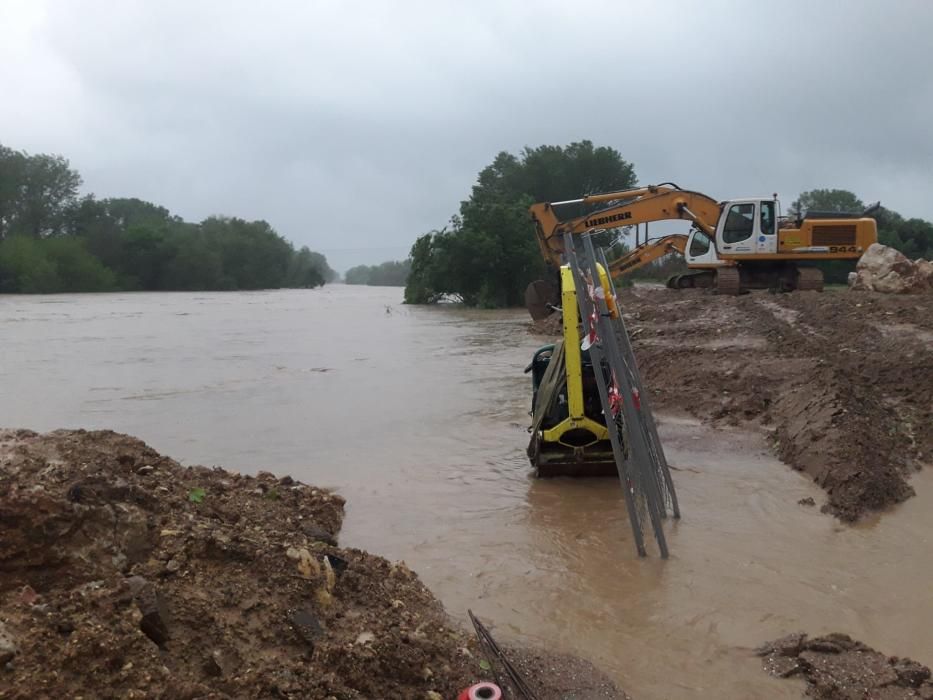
(733, 246)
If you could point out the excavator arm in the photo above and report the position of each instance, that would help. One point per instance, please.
(641, 205)
(648, 252)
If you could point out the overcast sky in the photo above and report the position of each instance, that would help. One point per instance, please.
(353, 127)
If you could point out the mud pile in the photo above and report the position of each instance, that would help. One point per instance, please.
(126, 575)
(843, 380)
(836, 667)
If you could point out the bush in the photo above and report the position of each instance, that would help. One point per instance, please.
(51, 265)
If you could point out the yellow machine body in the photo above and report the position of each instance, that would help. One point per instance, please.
(578, 444)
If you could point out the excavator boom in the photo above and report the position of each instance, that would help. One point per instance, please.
(636, 206)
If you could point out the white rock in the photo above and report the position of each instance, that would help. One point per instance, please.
(7, 645)
(884, 269)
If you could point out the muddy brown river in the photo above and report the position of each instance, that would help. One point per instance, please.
(418, 416)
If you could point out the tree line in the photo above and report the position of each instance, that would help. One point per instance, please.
(392, 273)
(53, 240)
(487, 254)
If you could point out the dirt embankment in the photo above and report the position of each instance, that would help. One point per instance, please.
(844, 379)
(123, 574)
(836, 667)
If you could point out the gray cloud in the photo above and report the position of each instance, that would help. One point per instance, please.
(352, 127)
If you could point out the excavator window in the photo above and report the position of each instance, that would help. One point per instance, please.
(699, 245)
(740, 222)
(767, 218)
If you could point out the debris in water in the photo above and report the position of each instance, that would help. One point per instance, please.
(836, 667)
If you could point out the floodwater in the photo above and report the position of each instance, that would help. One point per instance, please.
(417, 416)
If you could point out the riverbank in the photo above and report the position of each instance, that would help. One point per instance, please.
(841, 381)
(127, 575)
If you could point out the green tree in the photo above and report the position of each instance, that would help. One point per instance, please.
(48, 189)
(45, 266)
(426, 284)
(308, 269)
(147, 251)
(319, 262)
(254, 256)
(841, 201)
(357, 275)
(193, 265)
(913, 237)
(488, 255)
(25, 268)
(392, 273)
(78, 270)
(12, 177)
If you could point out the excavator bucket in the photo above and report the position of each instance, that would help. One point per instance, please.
(541, 297)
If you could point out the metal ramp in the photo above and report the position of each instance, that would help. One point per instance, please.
(639, 456)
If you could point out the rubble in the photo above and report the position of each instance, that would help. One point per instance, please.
(836, 667)
(884, 269)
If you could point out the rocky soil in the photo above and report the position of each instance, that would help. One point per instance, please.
(124, 574)
(843, 380)
(886, 270)
(836, 667)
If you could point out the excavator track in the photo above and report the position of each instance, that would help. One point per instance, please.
(809, 278)
(728, 281)
(691, 279)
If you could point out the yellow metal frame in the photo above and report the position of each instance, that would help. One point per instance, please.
(574, 366)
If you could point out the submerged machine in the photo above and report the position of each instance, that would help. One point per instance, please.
(569, 433)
